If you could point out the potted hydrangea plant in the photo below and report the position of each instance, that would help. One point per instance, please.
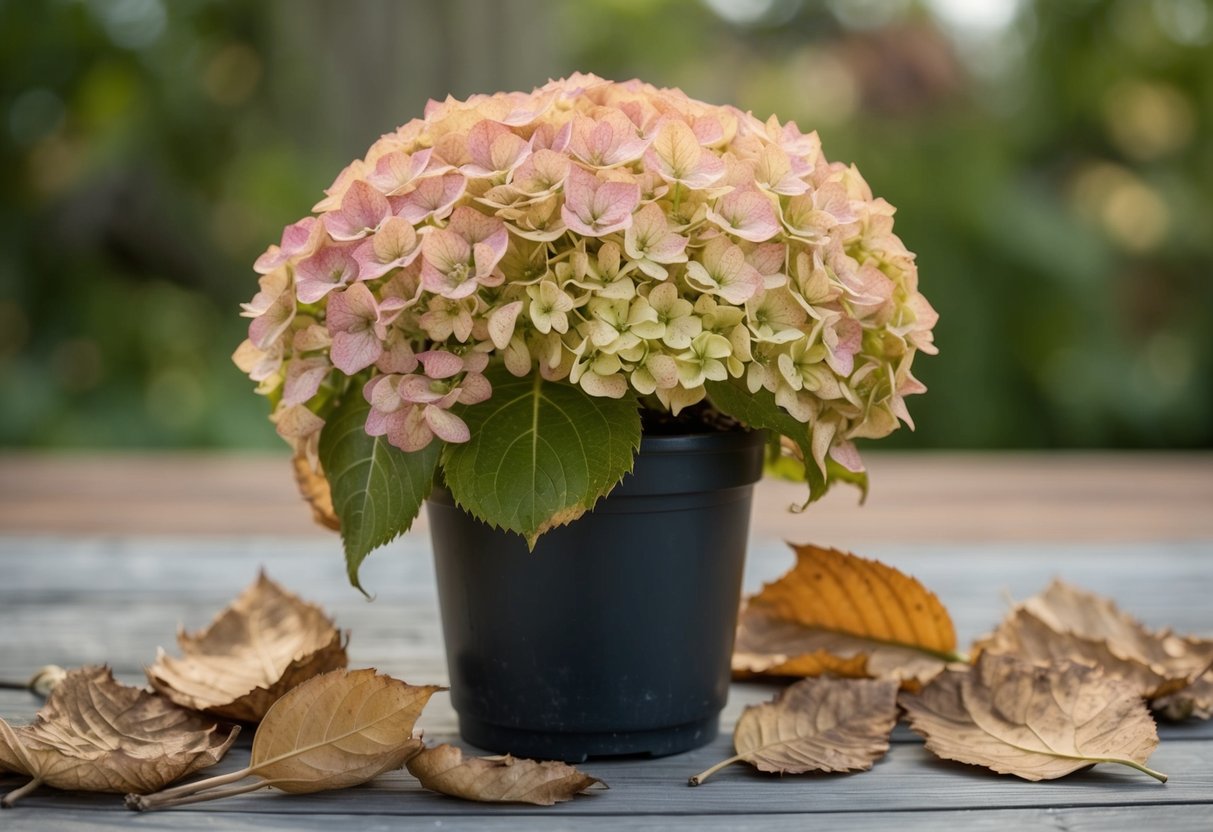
(522, 303)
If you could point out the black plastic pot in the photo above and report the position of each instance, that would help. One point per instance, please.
(614, 635)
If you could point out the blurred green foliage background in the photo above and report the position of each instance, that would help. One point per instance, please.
(1052, 164)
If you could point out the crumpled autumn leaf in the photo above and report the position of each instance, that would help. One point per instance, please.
(334, 731)
(96, 734)
(1193, 702)
(257, 649)
(1035, 722)
(314, 488)
(816, 725)
(835, 612)
(1068, 623)
(505, 779)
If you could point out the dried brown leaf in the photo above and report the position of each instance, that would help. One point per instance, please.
(1023, 635)
(314, 488)
(1036, 722)
(839, 613)
(333, 731)
(264, 644)
(506, 779)
(1193, 702)
(95, 734)
(1065, 622)
(816, 725)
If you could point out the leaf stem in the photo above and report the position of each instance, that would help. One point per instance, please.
(16, 794)
(1157, 775)
(152, 802)
(198, 785)
(704, 775)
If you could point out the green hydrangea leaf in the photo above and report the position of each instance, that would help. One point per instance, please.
(541, 453)
(377, 488)
(759, 410)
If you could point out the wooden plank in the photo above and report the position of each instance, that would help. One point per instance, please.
(74, 600)
(924, 497)
(1194, 818)
(908, 779)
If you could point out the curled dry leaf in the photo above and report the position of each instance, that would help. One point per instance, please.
(333, 731)
(506, 779)
(1036, 722)
(816, 725)
(839, 613)
(1067, 623)
(264, 644)
(314, 488)
(95, 734)
(1022, 635)
(1193, 702)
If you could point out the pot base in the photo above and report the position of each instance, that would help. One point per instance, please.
(578, 747)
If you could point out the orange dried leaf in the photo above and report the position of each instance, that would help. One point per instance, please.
(839, 613)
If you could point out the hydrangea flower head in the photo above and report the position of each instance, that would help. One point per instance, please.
(623, 238)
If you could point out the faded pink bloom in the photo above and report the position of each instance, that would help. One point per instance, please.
(464, 255)
(746, 213)
(606, 141)
(298, 240)
(272, 309)
(357, 327)
(494, 151)
(303, 378)
(330, 267)
(595, 207)
(433, 198)
(677, 157)
(650, 242)
(396, 172)
(722, 270)
(395, 246)
(363, 210)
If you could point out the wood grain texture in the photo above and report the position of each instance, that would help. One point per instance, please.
(1061, 496)
(111, 580)
(1192, 818)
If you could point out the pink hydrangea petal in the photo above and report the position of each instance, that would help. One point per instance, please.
(412, 432)
(397, 358)
(501, 323)
(303, 379)
(417, 390)
(352, 309)
(353, 352)
(300, 238)
(362, 210)
(297, 422)
(270, 325)
(746, 213)
(446, 425)
(317, 275)
(847, 455)
(440, 364)
(474, 389)
(433, 198)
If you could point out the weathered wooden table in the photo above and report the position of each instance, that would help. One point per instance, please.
(101, 558)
